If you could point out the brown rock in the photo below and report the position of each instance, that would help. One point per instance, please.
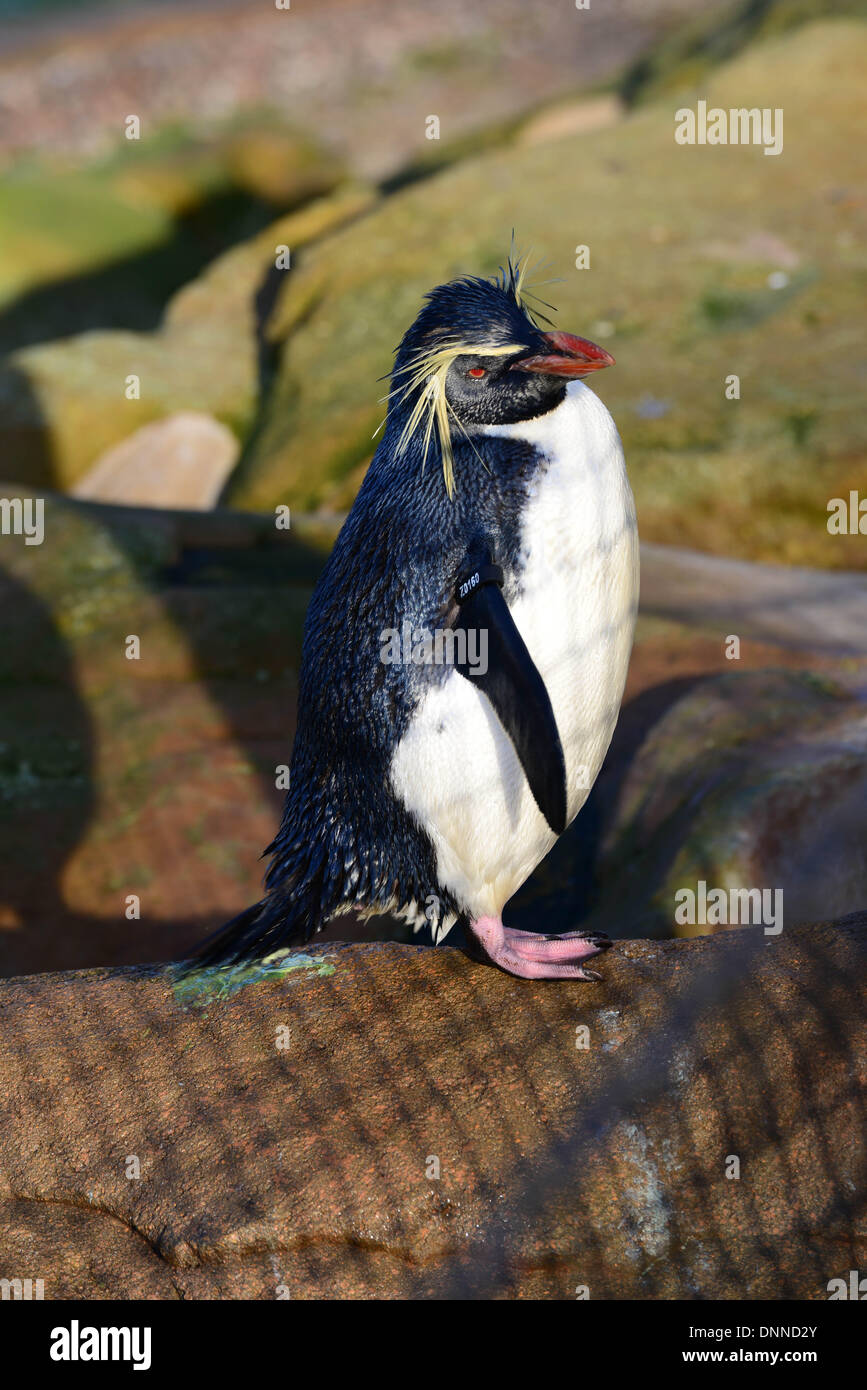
(797, 607)
(753, 780)
(306, 1169)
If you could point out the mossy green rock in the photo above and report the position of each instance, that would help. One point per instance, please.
(65, 217)
(63, 404)
(60, 222)
(683, 242)
(694, 48)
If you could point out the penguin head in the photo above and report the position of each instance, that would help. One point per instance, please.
(477, 356)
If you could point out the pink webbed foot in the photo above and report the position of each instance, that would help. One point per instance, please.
(539, 957)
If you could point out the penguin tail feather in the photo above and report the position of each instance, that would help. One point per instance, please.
(254, 934)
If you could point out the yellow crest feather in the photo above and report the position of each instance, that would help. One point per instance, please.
(427, 374)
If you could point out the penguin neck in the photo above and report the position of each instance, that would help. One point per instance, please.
(490, 456)
(580, 421)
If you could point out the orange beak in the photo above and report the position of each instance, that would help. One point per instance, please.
(569, 356)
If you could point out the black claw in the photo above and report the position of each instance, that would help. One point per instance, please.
(596, 938)
(590, 975)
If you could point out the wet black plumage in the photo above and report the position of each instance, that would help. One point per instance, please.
(345, 841)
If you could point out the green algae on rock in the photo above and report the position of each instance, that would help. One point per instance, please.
(201, 988)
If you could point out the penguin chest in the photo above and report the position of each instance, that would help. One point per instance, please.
(575, 591)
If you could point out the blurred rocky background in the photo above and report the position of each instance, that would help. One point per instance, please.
(155, 257)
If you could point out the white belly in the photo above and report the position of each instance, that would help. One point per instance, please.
(455, 768)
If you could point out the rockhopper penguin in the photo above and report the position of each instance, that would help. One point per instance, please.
(466, 647)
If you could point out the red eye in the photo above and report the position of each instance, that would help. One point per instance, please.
(476, 371)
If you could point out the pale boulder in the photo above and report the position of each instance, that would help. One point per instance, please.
(181, 461)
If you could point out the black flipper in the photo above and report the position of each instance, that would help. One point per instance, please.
(514, 687)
